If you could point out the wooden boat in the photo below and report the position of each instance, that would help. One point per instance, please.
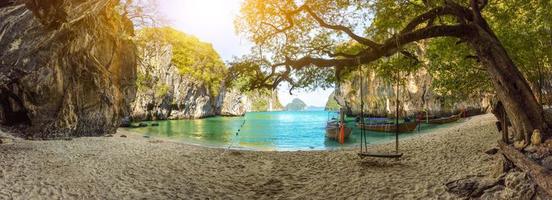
(403, 127)
(332, 132)
(332, 127)
(444, 120)
(332, 123)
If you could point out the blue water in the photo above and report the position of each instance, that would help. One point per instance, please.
(281, 131)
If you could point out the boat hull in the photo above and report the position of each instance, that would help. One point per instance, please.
(390, 128)
(444, 120)
(332, 132)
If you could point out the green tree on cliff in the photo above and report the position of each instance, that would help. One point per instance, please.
(331, 104)
(192, 57)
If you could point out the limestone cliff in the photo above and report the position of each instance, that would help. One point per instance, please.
(415, 95)
(181, 77)
(233, 103)
(165, 93)
(331, 104)
(264, 100)
(67, 68)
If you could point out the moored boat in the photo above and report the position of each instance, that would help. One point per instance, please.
(444, 120)
(332, 132)
(333, 127)
(389, 127)
(332, 123)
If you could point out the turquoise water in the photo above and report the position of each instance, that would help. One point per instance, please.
(281, 131)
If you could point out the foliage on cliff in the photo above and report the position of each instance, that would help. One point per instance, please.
(191, 56)
(332, 104)
(262, 98)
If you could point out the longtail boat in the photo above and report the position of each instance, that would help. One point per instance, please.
(403, 127)
(332, 132)
(333, 128)
(444, 120)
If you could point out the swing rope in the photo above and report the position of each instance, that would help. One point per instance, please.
(364, 151)
(234, 138)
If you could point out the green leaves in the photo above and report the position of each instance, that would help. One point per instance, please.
(332, 104)
(192, 57)
(285, 32)
(524, 27)
(456, 72)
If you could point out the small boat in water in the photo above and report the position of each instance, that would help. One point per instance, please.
(389, 127)
(333, 127)
(332, 132)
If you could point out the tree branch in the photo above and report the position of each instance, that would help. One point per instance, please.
(289, 19)
(344, 29)
(388, 48)
(476, 11)
(428, 16)
(410, 33)
(476, 58)
(450, 8)
(410, 55)
(340, 54)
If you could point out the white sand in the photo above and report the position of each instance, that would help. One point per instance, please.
(135, 167)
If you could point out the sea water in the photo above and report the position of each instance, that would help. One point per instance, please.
(280, 131)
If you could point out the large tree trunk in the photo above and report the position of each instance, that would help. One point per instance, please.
(512, 89)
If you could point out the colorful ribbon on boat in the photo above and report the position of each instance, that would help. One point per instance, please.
(341, 133)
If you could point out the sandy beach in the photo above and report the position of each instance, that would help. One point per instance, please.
(134, 168)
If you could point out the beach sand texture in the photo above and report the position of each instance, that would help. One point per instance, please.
(136, 167)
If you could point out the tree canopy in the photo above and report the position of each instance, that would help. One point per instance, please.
(312, 42)
(297, 41)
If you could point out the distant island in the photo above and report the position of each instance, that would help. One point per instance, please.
(315, 108)
(296, 105)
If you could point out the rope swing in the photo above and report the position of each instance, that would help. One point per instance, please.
(363, 134)
(235, 138)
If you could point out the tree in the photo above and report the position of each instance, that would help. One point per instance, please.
(331, 104)
(303, 43)
(193, 58)
(142, 13)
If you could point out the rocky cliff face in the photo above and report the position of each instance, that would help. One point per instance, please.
(263, 100)
(67, 68)
(331, 104)
(414, 96)
(233, 103)
(163, 93)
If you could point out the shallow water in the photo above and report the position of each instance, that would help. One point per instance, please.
(281, 131)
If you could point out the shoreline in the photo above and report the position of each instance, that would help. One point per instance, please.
(128, 132)
(137, 167)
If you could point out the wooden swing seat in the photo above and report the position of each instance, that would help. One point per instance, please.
(380, 155)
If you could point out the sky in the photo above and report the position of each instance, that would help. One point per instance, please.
(212, 21)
